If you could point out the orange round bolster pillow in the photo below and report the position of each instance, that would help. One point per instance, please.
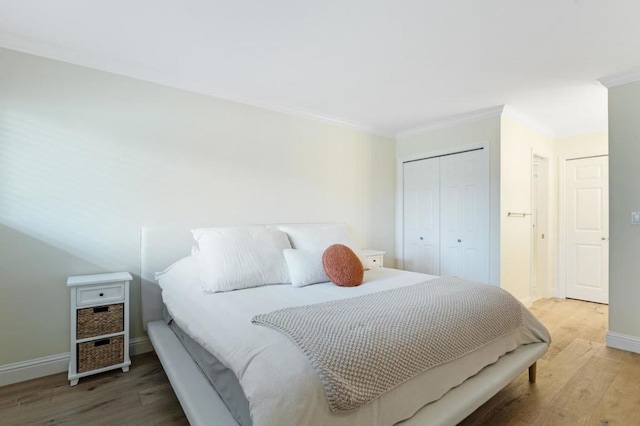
(342, 266)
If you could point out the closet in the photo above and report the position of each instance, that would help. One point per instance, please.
(446, 215)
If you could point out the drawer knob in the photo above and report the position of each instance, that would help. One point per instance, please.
(101, 294)
(373, 260)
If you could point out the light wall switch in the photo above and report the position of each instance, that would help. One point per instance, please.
(635, 218)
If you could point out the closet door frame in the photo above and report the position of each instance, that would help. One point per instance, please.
(400, 188)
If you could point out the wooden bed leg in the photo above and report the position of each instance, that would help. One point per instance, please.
(532, 372)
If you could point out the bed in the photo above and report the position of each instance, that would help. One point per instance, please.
(201, 402)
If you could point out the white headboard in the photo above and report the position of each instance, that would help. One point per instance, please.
(159, 248)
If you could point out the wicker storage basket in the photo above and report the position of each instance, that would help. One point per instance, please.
(100, 353)
(100, 320)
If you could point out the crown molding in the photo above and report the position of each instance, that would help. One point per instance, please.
(452, 121)
(502, 110)
(618, 79)
(303, 113)
(50, 51)
(513, 113)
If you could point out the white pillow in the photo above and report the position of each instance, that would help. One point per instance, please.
(305, 267)
(319, 237)
(183, 273)
(240, 257)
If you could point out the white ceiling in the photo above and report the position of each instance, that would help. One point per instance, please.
(386, 65)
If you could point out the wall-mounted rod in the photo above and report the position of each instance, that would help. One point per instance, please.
(512, 214)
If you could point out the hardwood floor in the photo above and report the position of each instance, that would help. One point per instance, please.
(580, 382)
(143, 396)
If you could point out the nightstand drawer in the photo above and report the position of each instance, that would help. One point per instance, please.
(102, 294)
(100, 320)
(374, 261)
(100, 353)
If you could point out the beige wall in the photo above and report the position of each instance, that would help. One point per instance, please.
(87, 157)
(582, 145)
(624, 197)
(518, 144)
(482, 131)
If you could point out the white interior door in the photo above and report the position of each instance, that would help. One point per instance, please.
(422, 216)
(587, 239)
(464, 204)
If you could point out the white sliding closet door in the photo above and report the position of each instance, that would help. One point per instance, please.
(422, 216)
(464, 198)
(446, 215)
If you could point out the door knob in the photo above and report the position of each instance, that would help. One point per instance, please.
(603, 238)
(421, 238)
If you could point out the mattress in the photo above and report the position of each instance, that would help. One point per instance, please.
(221, 378)
(279, 383)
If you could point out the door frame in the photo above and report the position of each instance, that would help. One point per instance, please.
(400, 189)
(561, 290)
(543, 292)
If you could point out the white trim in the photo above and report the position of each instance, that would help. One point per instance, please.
(47, 50)
(53, 364)
(400, 192)
(140, 345)
(549, 287)
(297, 112)
(561, 288)
(452, 121)
(618, 79)
(625, 342)
(34, 368)
(552, 219)
(537, 126)
(502, 110)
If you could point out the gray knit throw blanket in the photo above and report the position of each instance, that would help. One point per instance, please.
(364, 346)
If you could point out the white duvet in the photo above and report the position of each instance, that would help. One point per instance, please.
(281, 386)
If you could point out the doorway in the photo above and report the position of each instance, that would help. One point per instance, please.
(539, 226)
(587, 228)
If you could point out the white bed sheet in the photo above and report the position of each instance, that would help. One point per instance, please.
(281, 386)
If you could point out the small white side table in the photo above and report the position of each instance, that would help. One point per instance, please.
(99, 324)
(373, 259)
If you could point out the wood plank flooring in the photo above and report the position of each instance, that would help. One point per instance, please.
(580, 382)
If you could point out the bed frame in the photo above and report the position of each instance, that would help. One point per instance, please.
(160, 247)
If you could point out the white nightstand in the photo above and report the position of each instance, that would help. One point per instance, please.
(373, 259)
(99, 324)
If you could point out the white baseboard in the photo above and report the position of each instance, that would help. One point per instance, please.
(623, 341)
(139, 345)
(34, 368)
(53, 364)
